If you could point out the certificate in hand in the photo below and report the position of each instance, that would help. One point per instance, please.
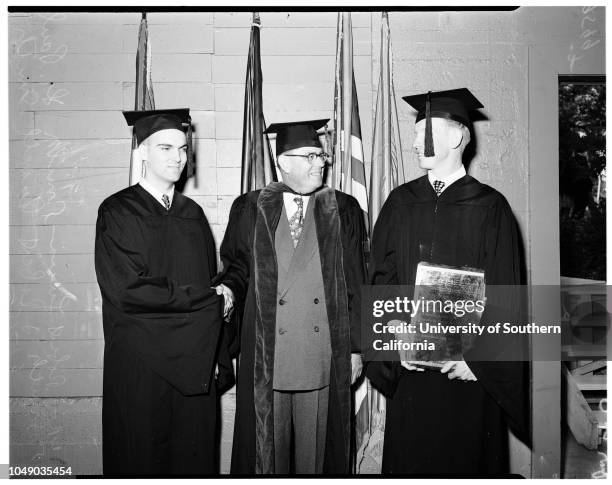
(448, 301)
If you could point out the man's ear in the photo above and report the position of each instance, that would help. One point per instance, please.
(284, 164)
(455, 136)
(144, 151)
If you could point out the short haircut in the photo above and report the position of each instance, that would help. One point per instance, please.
(465, 131)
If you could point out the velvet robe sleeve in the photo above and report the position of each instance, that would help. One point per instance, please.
(384, 375)
(354, 241)
(123, 274)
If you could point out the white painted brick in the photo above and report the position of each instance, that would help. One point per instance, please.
(82, 124)
(203, 123)
(76, 18)
(55, 326)
(228, 411)
(229, 153)
(289, 41)
(203, 183)
(20, 125)
(288, 19)
(287, 69)
(223, 208)
(229, 125)
(59, 354)
(234, 41)
(229, 97)
(44, 268)
(64, 96)
(218, 233)
(180, 18)
(168, 95)
(65, 153)
(53, 38)
(233, 19)
(208, 203)
(86, 457)
(58, 383)
(47, 298)
(228, 181)
(177, 38)
(47, 209)
(51, 239)
(229, 69)
(77, 67)
(181, 68)
(205, 151)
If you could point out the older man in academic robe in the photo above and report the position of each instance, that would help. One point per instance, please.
(293, 258)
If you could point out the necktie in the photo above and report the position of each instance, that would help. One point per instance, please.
(166, 201)
(438, 185)
(296, 222)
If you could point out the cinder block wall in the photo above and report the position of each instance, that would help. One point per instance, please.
(72, 74)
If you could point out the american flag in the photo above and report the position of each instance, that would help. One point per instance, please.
(348, 174)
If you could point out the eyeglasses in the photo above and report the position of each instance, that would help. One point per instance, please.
(311, 157)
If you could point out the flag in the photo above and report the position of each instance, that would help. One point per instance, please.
(144, 99)
(348, 170)
(348, 174)
(387, 172)
(257, 162)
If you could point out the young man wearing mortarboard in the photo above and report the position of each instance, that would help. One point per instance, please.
(293, 257)
(452, 421)
(155, 257)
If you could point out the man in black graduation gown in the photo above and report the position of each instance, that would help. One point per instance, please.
(453, 421)
(155, 257)
(293, 258)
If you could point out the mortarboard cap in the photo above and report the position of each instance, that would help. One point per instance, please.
(147, 122)
(296, 134)
(454, 104)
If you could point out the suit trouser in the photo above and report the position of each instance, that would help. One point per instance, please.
(305, 414)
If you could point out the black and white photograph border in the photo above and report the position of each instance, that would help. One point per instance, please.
(72, 71)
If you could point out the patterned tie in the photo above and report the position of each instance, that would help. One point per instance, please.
(166, 201)
(438, 185)
(296, 222)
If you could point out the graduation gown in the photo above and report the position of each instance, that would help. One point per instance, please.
(251, 271)
(436, 426)
(162, 327)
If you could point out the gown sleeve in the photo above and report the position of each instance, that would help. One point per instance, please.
(355, 239)
(505, 380)
(123, 275)
(384, 374)
(383, 259)
(236, 249)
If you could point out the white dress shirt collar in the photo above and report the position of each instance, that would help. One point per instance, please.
(157, 194)
(290, 205)
(449, 179)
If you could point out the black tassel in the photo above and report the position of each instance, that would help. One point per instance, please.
(429, 147)
(190, 157)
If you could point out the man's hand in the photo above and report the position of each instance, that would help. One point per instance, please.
(409, 365)
(356, 367)
(458, 370)
(228, 298)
